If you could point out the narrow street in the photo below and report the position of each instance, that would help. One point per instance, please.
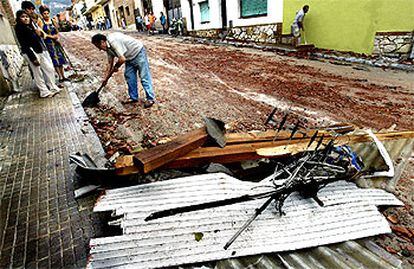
(240, 86)
(45, 225)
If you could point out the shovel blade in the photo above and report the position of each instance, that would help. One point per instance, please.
(91, 100)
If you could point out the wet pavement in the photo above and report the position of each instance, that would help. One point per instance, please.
(41, 224)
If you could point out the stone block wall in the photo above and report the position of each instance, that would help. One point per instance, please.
(7, 11)
(11, 60)
(209, 33)
(11, 66)
(266, 33)
(393, 44)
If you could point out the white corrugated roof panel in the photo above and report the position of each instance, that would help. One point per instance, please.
(348, 213)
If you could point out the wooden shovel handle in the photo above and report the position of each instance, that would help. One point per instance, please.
(102, 85)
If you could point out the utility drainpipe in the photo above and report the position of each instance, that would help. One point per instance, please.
(191, 14)
(223, 14)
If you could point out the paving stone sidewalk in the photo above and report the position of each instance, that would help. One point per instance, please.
(41, 225)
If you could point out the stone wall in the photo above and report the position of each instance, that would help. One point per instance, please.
(393, 44)
(267, 33)
(7, 11)
(11, 60)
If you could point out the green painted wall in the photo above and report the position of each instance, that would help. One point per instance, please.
(350, 25)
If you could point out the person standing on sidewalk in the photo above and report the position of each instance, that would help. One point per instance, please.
(139, 22)
(54, 47)
(131, 52)
(123, 24)
(30, 10)
(297, 24)
(36, 54)
(163, 21)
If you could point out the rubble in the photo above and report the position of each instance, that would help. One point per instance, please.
(242, 147)
(338, 96)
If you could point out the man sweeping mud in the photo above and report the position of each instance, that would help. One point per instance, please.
(131, 52)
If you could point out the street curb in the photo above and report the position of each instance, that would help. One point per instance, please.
(95, 147)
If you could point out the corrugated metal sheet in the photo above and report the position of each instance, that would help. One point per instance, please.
(349, 213)
(351, 254)
(399, 151)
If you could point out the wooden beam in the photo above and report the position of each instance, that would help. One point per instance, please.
(239, 151)
(248, 151)
(158, 156)
(237, 138)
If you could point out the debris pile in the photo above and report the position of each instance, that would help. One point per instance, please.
(188, 151)
(309, 200)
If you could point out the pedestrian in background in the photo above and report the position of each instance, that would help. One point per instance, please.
(131, 52)
(54, 47)
(152, 20)
(108, 23)
(123, 24)
(297, 25)
(139, 22)
(163, 21)
(98, 24)
(36, 54)
(147, 22)
(102, 22)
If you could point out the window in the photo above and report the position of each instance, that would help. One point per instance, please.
(205, 11)
(252, 8)
(127, 11)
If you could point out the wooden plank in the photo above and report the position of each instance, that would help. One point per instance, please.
(247, 151)
(155, 157)
(127, 170)
(237, 138)
(125, 166)
(285, 150)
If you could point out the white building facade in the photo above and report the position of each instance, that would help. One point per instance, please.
(248, 20)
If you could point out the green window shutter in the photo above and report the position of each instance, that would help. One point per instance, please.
(205, 11)
(253, 7)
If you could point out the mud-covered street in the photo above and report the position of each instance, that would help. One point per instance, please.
(240, 86)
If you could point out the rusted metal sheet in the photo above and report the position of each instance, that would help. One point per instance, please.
(349, 213)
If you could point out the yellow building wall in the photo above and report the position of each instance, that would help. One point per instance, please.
(350, 25)
(97, 13)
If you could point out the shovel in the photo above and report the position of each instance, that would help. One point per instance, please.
(304, 38)
(92, 99)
